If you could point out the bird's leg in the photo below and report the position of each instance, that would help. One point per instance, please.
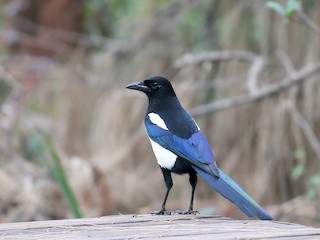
(168, 180)
(193, 181)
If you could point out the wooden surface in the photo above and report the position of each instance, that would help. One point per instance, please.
(154, 227)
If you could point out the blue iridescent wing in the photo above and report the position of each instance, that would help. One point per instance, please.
(195, 149)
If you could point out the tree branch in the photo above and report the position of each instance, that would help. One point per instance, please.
(267, 91)
(305, 128)
(309, 22)
(286, 62)
(255, 69)
(196, 59)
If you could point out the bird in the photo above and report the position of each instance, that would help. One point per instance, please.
(180, 147)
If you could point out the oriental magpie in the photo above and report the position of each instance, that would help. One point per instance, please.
(181, 147)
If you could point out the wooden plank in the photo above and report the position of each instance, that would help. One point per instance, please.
(153, 227)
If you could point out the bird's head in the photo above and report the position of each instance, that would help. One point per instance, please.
(154, 87)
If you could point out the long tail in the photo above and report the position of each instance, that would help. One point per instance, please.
(234, 193)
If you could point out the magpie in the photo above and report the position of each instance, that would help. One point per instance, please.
(180, 147)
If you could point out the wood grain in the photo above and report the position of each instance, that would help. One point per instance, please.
(157, 227)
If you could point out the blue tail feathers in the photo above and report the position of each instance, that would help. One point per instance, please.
(234, 193)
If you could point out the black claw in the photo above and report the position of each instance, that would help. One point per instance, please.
(187, 212)
(160, 212)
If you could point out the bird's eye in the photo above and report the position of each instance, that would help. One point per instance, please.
(155, 85)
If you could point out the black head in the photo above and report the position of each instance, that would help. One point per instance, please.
(154, 87)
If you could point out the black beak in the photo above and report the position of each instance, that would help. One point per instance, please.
(140, 86)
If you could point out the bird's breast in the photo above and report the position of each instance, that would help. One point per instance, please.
(165, 158)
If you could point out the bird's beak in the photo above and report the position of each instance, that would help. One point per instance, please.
(140, 86)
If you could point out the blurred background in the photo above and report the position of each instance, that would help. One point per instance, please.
(72, 139)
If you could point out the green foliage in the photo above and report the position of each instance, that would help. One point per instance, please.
(97, 18)
(34, 146)
(107, 17)
(57, 170)
(293, 6)
(102, 16)
(313, 182)
(277, 7)
(40, 146)
(286, 11)
(5, 90)
(192, 30)
(314, 186)
(299, 155)
(297, 172)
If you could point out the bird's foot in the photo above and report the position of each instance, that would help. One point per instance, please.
(160, 212)
(187, 212)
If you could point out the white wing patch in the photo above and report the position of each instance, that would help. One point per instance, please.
(165, 158)
(196, 125)
(157, 120)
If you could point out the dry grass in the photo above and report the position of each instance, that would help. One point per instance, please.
(98, 125)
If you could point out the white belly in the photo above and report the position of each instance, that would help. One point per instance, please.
(165, 158)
